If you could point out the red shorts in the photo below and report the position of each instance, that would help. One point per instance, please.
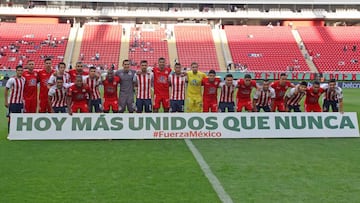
(245, 103)
(44, 106)
(312, 108)
(164, 99)
(80, 106)
(30, 105)
(212, 105)
(279, 105)
(113, 103)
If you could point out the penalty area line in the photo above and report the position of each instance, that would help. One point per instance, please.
(214, 181)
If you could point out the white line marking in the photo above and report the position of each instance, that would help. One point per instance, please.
(215, 183)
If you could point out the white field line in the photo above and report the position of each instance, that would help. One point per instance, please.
(215, 183)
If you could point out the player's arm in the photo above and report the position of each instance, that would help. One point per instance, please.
(340, 98)
(272, 98)
(49, 102)
(6, 93)
(286, 99)
(255, 99)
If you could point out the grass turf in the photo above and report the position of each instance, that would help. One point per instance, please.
(251, 170)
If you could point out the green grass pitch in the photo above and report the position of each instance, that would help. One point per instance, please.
(250, 170)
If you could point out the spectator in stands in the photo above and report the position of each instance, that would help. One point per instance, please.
(345, 48)
(354, 48)
(97, 56)
(354, 61)
(123, 31)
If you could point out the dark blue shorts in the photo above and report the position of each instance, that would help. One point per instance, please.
(142, 104)
(96, 105)
(177, 105)
(15, 108)
(333, 104)
(295, 108)
(60, 109)
(264, 108)
(230, 106)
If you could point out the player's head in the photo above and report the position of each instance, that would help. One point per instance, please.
(19, 71)
(316, 86)
(79, 81)
(79, 66)
(283, 78)
(144, 66)
(303, 85)
(229, 79)
(30, 65)
(126, 64)
(61, 67)
(332, 84)
(110, 74)
(194, 67)
(266, 84)
(247, 79)
(92, 71)
(161, 62)
(177, 68)
(59, 82)
(48, 63)
(211, 75)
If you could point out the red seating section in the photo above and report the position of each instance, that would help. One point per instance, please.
(263, 48)
(151, 44)
(104, 39)
(196, 44)
(328, 43)
(28, 38)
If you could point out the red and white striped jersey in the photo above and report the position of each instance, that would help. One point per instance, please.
(332, 95)
(264, 97)
(16, 86)
(294, 99)
(177, 83)
(93, 84)
(143, 83)
(58, 96)
(52, 79)
(227, 92)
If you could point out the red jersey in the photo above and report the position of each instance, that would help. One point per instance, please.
(311, 97)
(16, 86)
(280, 90)
(244, 91)
(58, 96)
(79, 94)
(161, 84)
(177, 83)
(44, 77)
(73, 73)
(93, 84)
(31, 80)
(110, 88)
(210, 88)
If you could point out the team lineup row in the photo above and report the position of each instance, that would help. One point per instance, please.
(78, 91)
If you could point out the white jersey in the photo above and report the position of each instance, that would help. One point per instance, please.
(177, 83)
(264, 97)
(16, 86)
(52, 79)
(227, 92)
(332, 95)
(294, 99)
(144, 83)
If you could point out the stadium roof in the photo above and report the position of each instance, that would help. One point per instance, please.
(311, 2)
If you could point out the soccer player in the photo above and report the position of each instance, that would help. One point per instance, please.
(211, 85)
(177, 81)
(44, 76)
(294, 96)
(312, 97)
(193, 91)
(126, 94)
(333, 97)
(78, 97)
(30, 89)
(93, 81)
(245, 86)
(60, 73)
(280, 87)
(15, 85)
(57, 96)
(77, 71)
(264, 97)
(143, 81)
(161, 86)
(227, 94)
(111, 99)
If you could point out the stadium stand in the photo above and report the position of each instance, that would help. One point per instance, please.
(21, 42)
(103, 40)
(332, 48)
(196, 44)
(148, 44)
(264, 48)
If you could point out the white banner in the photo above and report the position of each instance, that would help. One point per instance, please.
(182, 125)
